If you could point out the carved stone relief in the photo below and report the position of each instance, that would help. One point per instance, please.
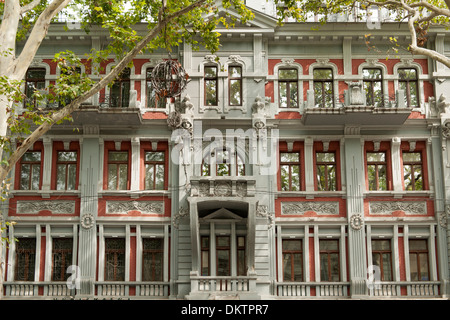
(409, 207)
(56, 207)
(145, 207)
(300, 208)
(184, 212)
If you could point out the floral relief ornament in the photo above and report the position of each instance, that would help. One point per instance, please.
(356, 221)
(87, 221)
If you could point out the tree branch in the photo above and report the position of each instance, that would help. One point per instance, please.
(75, 104)
(29, 6)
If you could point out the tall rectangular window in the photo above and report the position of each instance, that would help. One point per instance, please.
(382, 257)
(377, 170)
(223, 162)
(154, 170)
(288, 88)
(61, 258)
(120, 91)
(292, 260)
(211, 86)
(152, 259)
(153, 100)
(30, 170)
(329, 260)
(241, 256)
(204, 241)
(34, 81)
(25, 259)
(418, 260)
(323, 88)
(290, 171)
(408, 82)
(114, 259)
(117, 170)
(326, 171)
(223, 252)
(66, 167)
(235, 85)
(412, 170)
(372, 81)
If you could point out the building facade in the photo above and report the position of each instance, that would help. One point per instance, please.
(296, 164)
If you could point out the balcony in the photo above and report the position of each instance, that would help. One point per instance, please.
(104, 289)
(230, 287)
(223, 186)
(355, 111)
(303, 289)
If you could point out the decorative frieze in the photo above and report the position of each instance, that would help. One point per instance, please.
(145, 207)
(388, 207)
(184, 212)
(222, 188)
(319, 207)
(54, 206)
(263, 212)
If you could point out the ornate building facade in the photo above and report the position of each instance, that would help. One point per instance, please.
(296, 164)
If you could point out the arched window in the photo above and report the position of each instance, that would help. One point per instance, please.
(120, 90)
(373, 86)
(34, 81)
(408, 82)
(323, 88)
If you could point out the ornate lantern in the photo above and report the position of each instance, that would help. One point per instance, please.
(169, 78)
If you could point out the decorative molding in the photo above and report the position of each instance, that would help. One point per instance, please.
(87, 221)
(56, 207)
(446, 130)
(184, 212)
(241, 188)
(263, 212)
(443, 220)
(287, 61)
(319, 207)
(235, 58)
(222, 188)
(356, 221)
(145, 207)
(387, 207)
(323, 61)
(211, 58)
(372, 61)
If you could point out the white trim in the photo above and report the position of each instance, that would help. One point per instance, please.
(326, 64)
(288, 63)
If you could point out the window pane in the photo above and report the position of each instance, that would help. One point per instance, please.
(413, 93)
(25, 171)
(118, 156)
(71, 176)
(36, 74)
(159, 182)
(324, 267)
(371, 175)
(423, 258)
(418, 245)
(407, 176)
(223, 262)
(154, 156)
(295, 178)
(292, 245)
(285, 178)
(334, 265)
(205, 263)
(62, 258)
(31, 156)
(287, 74)
(325, 157)
(123, 176)
(321, 178)
(61, 177)
(329, 245)
(35, 176)
(414, 271)
(411, 157)
(25, 259)
(382, 177)
(112, 176)
(322, 74)
(293, 90)
(223, 241)
(287, 267)
(387, 268)
(125, 94)
(283, 94)
(290, 157)
(210, 72)
(235, 72)
(376, 157)
(407, 74)
(114, 259)
(67, 156)
(211, 92)
(372, 74)
(235, 92)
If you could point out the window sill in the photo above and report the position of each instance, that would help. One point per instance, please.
(398, 194)
(45, 193)
(134, 193)
(311, 194)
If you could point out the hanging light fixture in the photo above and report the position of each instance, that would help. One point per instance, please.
(168, 77)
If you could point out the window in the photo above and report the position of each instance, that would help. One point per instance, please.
(66, 72)
(223, 251)
(235, 86)
(211, 86)
(117, 170)
(418, 260)
(323, 88)
(241, 256)
(290, 171)
(25, 259)
(205, 256)
(326, 171)
(30, 171)
(224, 162)
(372, 81)
(409, 84)
(120, 90)
(61, 258)
(377, 170)
(154, 170)
(292, 260)
(66, 167)
(381, 257)
(288, 88)
(114, 259)
(152, 259)
(329, 260)
(412, 170)
(34, 80)
(153, 100)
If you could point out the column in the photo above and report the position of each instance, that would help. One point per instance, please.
(396, 169)
(47, 168)
(355, 214)
(89, 178)
(135, 164)
(309, 164)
